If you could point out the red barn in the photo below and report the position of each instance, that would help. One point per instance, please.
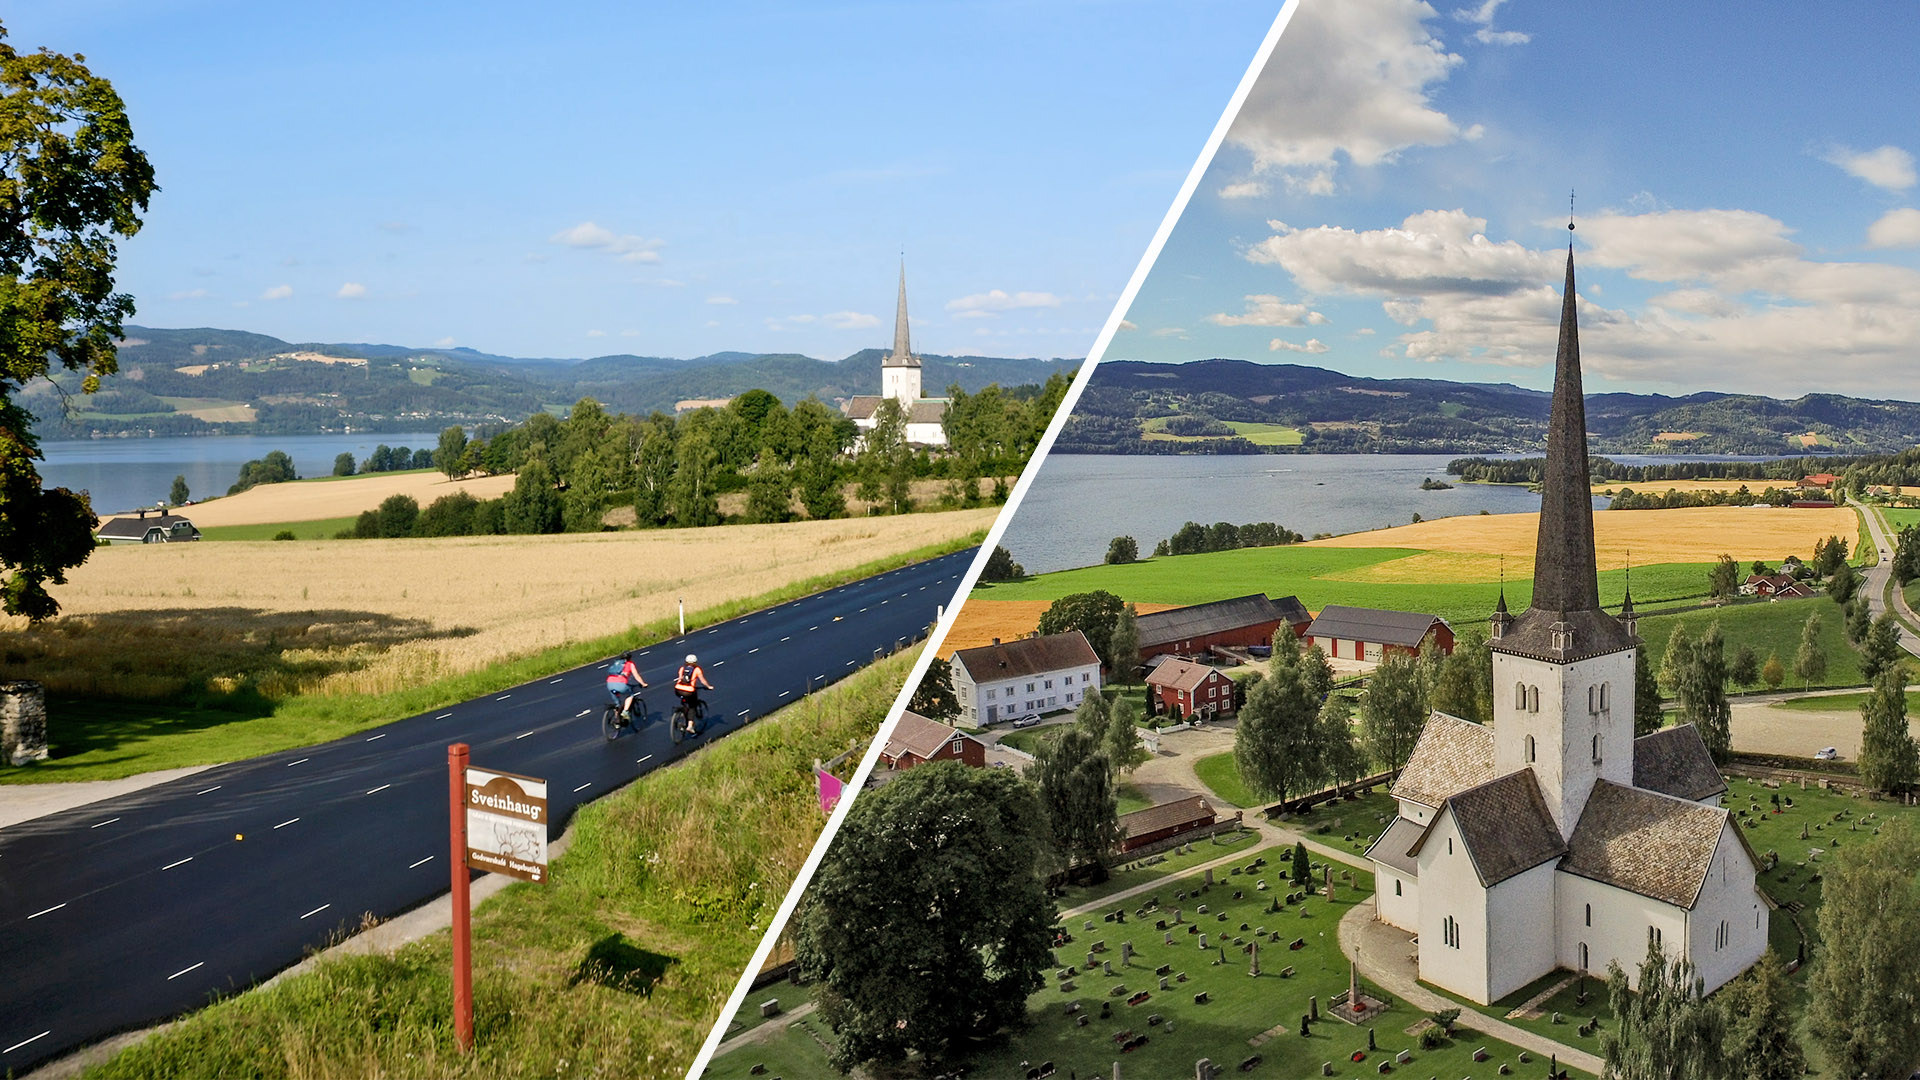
(1143, 827)
(1240, 622)
(1196, 689)
(1354, 633)
(916, 739)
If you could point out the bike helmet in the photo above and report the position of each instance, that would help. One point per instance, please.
(627, 656)
(692, 659)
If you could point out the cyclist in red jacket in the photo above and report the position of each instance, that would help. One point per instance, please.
(618, 682)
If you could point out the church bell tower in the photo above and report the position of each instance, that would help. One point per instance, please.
(900, 371)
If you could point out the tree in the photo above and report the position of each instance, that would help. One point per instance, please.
(1093, 716)
(1773, 672)
(769, 492)
(533, 506)
(398, 514)
(71, 184)
(1302, 866)
(653, 470)
(1842, 585)
(1880, 650)
(1760, 1043)
(817, 436)
(691, 496)
(1810, 662)
(927, 923)
(1859, 620)
(1648, 716)
(1123, 644)
(1340, 754)
(1122, 743)
(1863, 1011)
(1463, 681)
(1829, 555)
(934, 698)
(1906, 554)
(451, 456)
(1091, 613)
(1276, 744)
(1664, 1029)
(343, 465)
(1678, 655)
(1123, 550)
(1001, 567)
(275, 468)
(1745, 667)
(1702, 693)
(179, 495)
(1889, 760)
(1076, 788)
(448, 515)
(1393, 710)
(1723, 581)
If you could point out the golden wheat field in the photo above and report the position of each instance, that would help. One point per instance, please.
(374, 616)
(314, 500)
(1661, 487)
(1693, 534)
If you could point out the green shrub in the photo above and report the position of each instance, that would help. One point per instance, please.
(285, 534)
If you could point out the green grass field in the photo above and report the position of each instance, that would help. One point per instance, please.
(1222, 777)
(321, 529)
(1770, 627)
(1256, 433)
(1315, 575)
(1239, 1007)
(1842, 702)
(616, 967)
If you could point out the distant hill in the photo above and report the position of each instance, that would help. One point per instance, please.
(1236, 407)
(211, 381)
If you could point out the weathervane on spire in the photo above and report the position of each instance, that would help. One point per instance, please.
(1569, 209)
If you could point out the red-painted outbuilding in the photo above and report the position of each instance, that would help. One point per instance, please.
(1237, 623)
(1354, 633)
(1195, 689)
(917, 740)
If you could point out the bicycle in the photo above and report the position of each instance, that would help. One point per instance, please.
(684, 725)
(611, 720)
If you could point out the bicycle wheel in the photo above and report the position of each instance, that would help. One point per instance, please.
(610, 722)
(679, 724)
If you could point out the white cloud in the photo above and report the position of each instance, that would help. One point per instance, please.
(278, 292)
(1268, 310)
(992, 302)
(1678, 245)
(1169, 331)
(1434, 251)
(721, 300)
(1349, 78)
(1482, 17)
(852, 320)
(1887, 167)
(596, 333)
(1244, 189)
(1313, 345)
(591, 236)
(1895, 229)
(351, 290)
(445, 343)
(188, 294)
(1128, 324)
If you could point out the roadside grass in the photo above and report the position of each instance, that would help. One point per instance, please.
(1327, 575)
(1900, 517)
(1865, 552)
(617, 967)
(322, 529)
(1239, 1008)
(1769, 627)
(105, 736)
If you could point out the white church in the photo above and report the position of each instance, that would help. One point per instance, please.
(900, 380)
(1552, 838)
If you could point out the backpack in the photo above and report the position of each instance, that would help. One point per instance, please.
(618, 667)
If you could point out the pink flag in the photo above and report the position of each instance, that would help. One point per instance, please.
(829, 790)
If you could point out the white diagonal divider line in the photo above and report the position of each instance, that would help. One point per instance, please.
(931, 648)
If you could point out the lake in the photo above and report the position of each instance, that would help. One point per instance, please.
(123, 474)
(1080, 502)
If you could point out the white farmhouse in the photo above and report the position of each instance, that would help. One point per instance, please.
(1553, 838)
(900, 381)
(1032, 675)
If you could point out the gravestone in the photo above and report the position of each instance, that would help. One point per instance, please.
(770, 1007)
(1203, 941)
(1166, 938)
(1209, 877)
(1254, 969)
(1126, 952)
(1106, 967)
(23, 722)
(1163, 982)
(1203, 1069)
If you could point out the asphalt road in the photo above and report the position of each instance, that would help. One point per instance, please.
(1880, 588)
(128, 911)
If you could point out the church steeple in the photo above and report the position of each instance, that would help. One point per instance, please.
(1564, 575)
(902, 355)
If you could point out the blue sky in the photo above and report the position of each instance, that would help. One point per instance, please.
(1392, 200)
(666, 179)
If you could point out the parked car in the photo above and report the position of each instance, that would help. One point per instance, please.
(1029, 720)
(1830, 753)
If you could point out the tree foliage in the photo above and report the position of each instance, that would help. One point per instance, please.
(179, 495)
(72, 184)
(1276, 743)
(1664, 1029)
(1760, 1043)
(926, 923)
(1123, 644)
(1076, 787)
(1723, 581)
(1122, 550)
(1889, 760)
(1123, 746)
(1648, 716)
(1810, 661)
(1463, 680)
(1702, 692)
(934, 697)
(1864, 1012)
(1880, 649)
(1001, 567)
(1393, 710)
(1091, 613)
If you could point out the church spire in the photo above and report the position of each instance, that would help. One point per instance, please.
(1564, 577)
(902, 347)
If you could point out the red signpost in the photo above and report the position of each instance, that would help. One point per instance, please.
(462, 914)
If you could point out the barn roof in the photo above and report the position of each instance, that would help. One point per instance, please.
(1405, 628)
(1026, 656)
(1674, 761)
(1218, 616)
(1166, 816)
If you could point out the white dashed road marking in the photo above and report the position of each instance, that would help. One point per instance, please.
(171, 865)
(503, 697)
(522, 735)
(443, 716)
(215, 787)
(584, 786)
(422, 862)
(184, 970)
(644, 760)
(24, 1042)
(379, 789)
(286, 823)
(302, 761)
(382, 735)
(317, 910)
(109, 821)
(46, 911)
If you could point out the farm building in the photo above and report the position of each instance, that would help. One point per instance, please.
(1156, 823)
(139, 528)
(1194, 689)
(1005, 681)
(1241, 621)
(1781, 586)
(1355, 633)
(917, 740)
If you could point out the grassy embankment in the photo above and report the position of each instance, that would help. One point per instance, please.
(211, 677)
(617, 967)
(1238, 1008)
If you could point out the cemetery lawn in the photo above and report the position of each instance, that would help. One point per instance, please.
(1565, 1002)
(792, 1052)
(1133, 874)
(1769, 627)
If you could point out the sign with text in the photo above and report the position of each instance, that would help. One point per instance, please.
(506, 824)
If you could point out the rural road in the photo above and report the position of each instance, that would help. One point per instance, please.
(1879, 578)
(128, 911)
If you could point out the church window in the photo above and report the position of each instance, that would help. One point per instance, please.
(1449, 845)
(1529, 749)
(1589, 920)
(1584, 963)
(1533, 699)
(1596, 749)
(1396, 886)
(1720, 936)
(1520, 696)
(1593, 699)
(1450, 931)
(1605, 704)
(1653, 936)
